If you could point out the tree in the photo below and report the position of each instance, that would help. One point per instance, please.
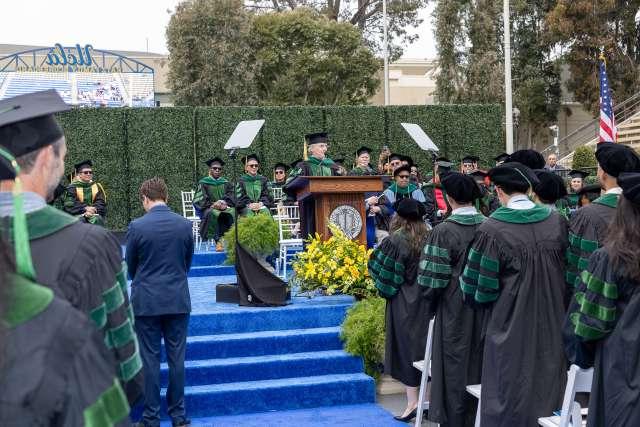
(366, 15)
(582, 28)
(583, 158)
(209, 55)
(303, 58)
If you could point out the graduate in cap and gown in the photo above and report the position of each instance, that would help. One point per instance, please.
(80, 262)
(456, 358)
(551, 191)
(213, 202)
(488, 202)
(254, 193)
(279, 175)
(601, 327)
(437, 207)
(588, 225)
(394, 266)
(588, 194)
(575, 185)
(470, 164)
(515, 268)
(84, 197)
(55, 367)
(363, 166)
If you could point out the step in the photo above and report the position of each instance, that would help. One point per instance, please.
(212, 270)
(203, 259)
(279, 394)
(257, 319)
(231, 370)
(366, 414)
(262, 343)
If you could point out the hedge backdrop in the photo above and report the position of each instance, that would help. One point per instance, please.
(131, 145)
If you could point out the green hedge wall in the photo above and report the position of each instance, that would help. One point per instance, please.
(131, 145)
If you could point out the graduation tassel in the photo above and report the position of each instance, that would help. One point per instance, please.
(305, 155)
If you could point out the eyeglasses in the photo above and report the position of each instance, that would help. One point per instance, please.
(254, 165)
(215, 169)
(395, 163)
(86, 173)
(403, 176)
(279, 172)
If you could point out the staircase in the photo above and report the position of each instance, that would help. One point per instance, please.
(627, 115)
(242, 360)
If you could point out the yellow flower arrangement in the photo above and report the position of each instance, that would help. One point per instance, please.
(336, 265)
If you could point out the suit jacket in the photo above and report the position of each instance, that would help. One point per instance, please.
(159, 253)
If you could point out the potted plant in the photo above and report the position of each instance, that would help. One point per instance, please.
(258, 234)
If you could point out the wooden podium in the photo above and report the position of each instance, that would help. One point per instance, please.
(343, 196)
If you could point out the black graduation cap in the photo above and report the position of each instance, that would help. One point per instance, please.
(397, 156)
(27, 122)
(574, 173)
(615, 159)
(317, 138)
(530, 158)
(363, 150)
(408, 159)
(501, 157)
(78, 166)
(339, 161)
(630, 184)
(214, 160)
(478, 175)
(470, 159)
(551, 186)
(282, 166)
(405, 168)
(410, 208)
(462, 188)
(7, 170)
(590, 189)
(514, 175)
(294, 164)
(248, 157)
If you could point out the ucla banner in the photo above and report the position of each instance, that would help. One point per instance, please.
(82, 75)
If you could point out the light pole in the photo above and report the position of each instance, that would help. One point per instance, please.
(385, 47)
(508, 107)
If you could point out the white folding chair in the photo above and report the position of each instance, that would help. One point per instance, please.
(277, 193)
(475, 391)
(424, 366)
(288, 218)
(578, 381)
(189, 212)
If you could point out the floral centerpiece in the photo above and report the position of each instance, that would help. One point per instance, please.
(336, 265)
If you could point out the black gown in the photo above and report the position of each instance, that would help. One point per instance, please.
(602, 330)
(587, 230)
(394, 269)
(56, 370)
(516, 265)
(82, 264)
(458, 336)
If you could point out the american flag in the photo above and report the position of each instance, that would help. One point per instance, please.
(608, 132)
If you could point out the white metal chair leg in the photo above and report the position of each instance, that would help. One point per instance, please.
(426, 372)
(478, 412)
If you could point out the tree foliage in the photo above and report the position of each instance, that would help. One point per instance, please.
(209, 56)
(366, 15)
(582, 28)
(583, 158)
(304, 58)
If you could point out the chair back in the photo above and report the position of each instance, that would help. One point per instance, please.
(288, 218)
(188, 211)
(578, 381)
(277, 193)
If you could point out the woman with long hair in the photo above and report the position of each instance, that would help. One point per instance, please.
(602, 328)
(394, 267)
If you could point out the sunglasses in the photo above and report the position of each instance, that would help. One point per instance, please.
(279, 172)
(255, 165)
(86, 173)
(403, 176)
(215, 169)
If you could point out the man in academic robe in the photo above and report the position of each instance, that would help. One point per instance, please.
(437, 207)
(80, 262)
(318, 164)
(552, 192)
(575, 185)
(84, 197)
(254, 193)
(55, 367)
(456, 360)
(213, 202)
(515, 268)
(470, 164)
(279, 175)
(589, 225)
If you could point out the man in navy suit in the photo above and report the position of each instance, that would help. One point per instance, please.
(159, 252)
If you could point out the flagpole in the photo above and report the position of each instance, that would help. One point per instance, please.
(507, 80)
(385, 47)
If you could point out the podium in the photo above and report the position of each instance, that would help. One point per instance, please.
(335, 199)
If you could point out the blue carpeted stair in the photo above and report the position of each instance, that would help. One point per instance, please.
(243, 360)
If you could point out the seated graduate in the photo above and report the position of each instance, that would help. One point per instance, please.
(551, 192)
(575, 185)
(363, 166)
(601, 329)
(437, 206)
(279, 175)
(254, 194)
(213, 202)
(393, 265)
(84, 197)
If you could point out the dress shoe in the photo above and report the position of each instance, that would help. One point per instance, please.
(411, 415)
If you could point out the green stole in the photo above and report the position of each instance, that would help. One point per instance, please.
(320, 167)
(406, 191)
(214, 187)
(474, 219)
(46, 221)
(252, 186)
(610, 200)
(87, 189)
(522, 216)
(28, 299)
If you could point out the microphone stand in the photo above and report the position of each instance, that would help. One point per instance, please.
(233, 155)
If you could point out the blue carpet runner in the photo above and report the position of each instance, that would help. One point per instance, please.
(283, 366)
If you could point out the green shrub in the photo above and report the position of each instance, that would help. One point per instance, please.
(584, 157)
(258, 234)
(363, 333)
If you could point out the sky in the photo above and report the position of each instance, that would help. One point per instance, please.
(135, 25)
